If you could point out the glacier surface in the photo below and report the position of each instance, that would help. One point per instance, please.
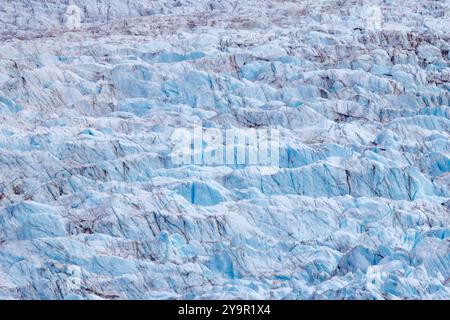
(92, 207)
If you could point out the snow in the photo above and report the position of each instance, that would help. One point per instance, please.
(92, 206)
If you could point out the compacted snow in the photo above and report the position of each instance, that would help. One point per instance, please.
(92, 205)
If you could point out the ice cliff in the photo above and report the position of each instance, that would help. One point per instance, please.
(92, 207)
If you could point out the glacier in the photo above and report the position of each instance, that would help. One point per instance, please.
(93, 207)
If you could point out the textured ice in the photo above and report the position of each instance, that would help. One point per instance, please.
(92, 207)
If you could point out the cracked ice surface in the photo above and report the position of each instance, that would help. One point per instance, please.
(92, 207)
